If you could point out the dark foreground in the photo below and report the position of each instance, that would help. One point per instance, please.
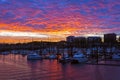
(16, 67)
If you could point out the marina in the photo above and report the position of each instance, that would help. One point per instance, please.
(59, 40)
(17, 67)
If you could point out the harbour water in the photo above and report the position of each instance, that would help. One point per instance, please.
(17, 67)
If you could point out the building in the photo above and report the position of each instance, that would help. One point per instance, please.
(119, 39)
(70, 39)
(110, 38)
(76, 41)
(80, 42)
(80, 39)
(92, 40)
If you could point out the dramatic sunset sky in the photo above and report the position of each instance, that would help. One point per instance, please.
(26, 20)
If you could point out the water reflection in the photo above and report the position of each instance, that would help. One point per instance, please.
(17, 67)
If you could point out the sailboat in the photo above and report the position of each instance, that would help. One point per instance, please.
(79, 57)
(65, 58)
(116, 56)
(33, 55)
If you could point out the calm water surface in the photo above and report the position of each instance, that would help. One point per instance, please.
(16, 67)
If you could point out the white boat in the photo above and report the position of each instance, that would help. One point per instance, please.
(23, 53)
(116, 56)
(34, 56)
(65, 58)
(15, 51)
(5, 53)
(52, 56)
(79, 58)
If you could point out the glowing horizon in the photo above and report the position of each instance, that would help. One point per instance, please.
(56, 19)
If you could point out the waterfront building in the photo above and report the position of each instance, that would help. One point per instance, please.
(76, 41)
(119, 39)
(80, 42)
(94, 40)
(110, 38)
(70, 39)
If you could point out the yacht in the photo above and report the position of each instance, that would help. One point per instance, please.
(116, 56)
(5, 53)
(79, 58)
(34, 56)
(65, 58)
(52, 56)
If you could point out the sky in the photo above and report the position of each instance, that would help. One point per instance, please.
(27, 20)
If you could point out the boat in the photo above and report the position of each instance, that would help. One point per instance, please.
(52, 56)
(34, 56)
(79, 58)
(65, 58)
(5, 53)
(23, 52)
(116, 56)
